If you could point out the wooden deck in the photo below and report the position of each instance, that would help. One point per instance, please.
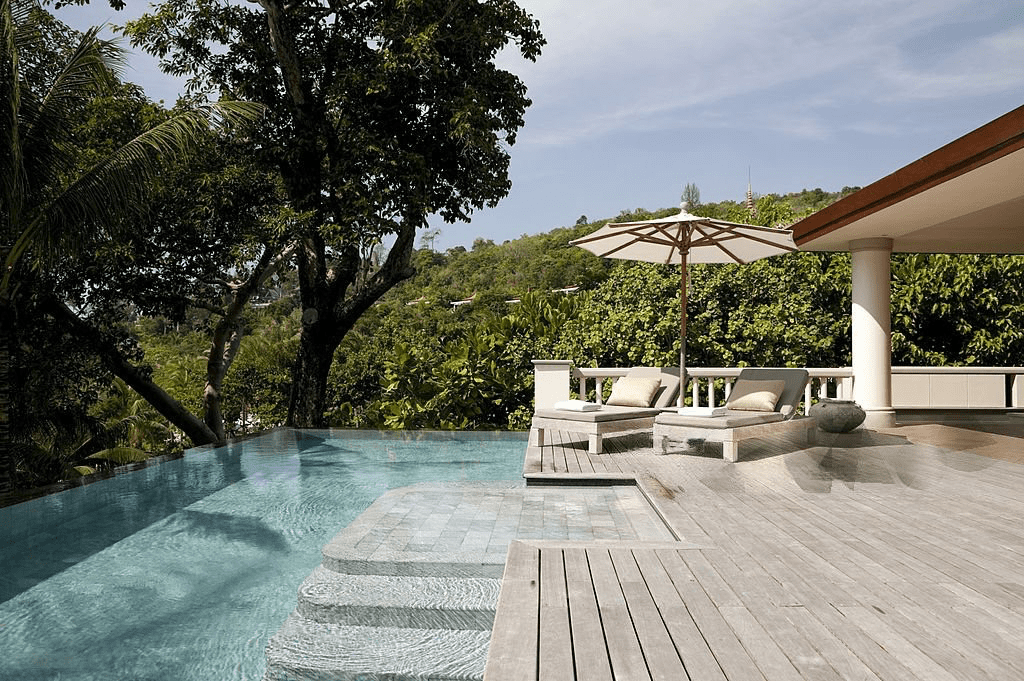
(872, 556)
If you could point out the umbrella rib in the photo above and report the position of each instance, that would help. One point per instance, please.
(714, 240)
(674, 241)
(718, 244)
(638, 237)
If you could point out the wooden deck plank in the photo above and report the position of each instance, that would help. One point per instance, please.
(533, 462)
(803, 653)
(588, 643)
(663, 662)
(732, 657)
(937, 613)
(624, 650)
(556, 660)
(513, 650)
(698, 660)
(909, 654)
(865, 557)
(765, 652)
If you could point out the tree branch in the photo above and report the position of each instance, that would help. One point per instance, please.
(284, 49)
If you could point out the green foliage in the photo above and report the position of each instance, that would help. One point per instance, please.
(256, 388)
(378, 114)
(790, 310)
(530, 263)
(957, 310)
(465, 376)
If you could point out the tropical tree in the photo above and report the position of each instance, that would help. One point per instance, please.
(53, 209)
(379, 114)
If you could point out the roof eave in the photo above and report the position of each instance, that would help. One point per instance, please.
(988, 143)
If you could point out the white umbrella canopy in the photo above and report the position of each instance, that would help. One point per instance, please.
(682, 239)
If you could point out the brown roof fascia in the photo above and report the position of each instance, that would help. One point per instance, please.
(988, 143)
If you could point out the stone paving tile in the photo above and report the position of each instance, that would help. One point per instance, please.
(476, 521)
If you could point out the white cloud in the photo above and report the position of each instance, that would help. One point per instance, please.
(649, 65)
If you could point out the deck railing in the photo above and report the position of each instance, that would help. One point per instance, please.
(913, 388)
(711, 386)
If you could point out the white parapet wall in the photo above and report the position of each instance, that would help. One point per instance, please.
(956, 387)
(551, 382)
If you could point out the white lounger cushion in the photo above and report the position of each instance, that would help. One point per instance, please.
(730, 419)
(605, 413)
(577, 405)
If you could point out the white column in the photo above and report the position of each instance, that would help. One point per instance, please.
(872, 334)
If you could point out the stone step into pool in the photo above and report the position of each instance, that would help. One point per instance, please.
(408, 590)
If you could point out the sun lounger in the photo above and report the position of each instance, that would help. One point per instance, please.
(755, 416)
(607, 419)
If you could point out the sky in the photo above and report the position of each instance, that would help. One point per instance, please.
(634, 99)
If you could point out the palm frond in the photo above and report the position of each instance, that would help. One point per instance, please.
(48, 121)
(116, 186)
(120, 455)
(12, 172)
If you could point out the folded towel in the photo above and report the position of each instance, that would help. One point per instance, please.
(577, 405)
(702, 411)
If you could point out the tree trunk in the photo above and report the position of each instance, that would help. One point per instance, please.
(227, 336)
(328, 315)
(167, 406)
(307, 406)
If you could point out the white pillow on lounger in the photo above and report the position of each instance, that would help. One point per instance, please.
(634, 391)
(748, 395)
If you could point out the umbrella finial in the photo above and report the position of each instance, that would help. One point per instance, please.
(684, 207)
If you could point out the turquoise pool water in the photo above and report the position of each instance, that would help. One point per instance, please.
(183, 570)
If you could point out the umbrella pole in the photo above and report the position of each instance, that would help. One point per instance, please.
(682, 327)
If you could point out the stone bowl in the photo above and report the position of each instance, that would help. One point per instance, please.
(837, 416)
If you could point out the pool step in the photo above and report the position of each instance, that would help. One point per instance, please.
(398, 601)
(304, 650)
(394, 626)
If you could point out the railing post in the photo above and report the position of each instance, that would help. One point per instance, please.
(844, 388)
(1017, 391)
(550, 382)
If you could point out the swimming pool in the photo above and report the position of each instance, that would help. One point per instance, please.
(184, 570)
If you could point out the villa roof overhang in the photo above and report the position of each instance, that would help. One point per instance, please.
(966, 197)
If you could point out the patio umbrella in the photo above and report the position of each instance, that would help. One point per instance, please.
(682, 239)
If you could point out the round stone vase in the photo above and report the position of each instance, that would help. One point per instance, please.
(837, 416)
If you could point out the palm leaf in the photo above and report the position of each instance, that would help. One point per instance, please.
(117, 185)
(120, 455)
(12, 176)
(83, 470)
(48, 121)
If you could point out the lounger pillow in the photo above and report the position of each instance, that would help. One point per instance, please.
(748, 395)
(634, 391)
